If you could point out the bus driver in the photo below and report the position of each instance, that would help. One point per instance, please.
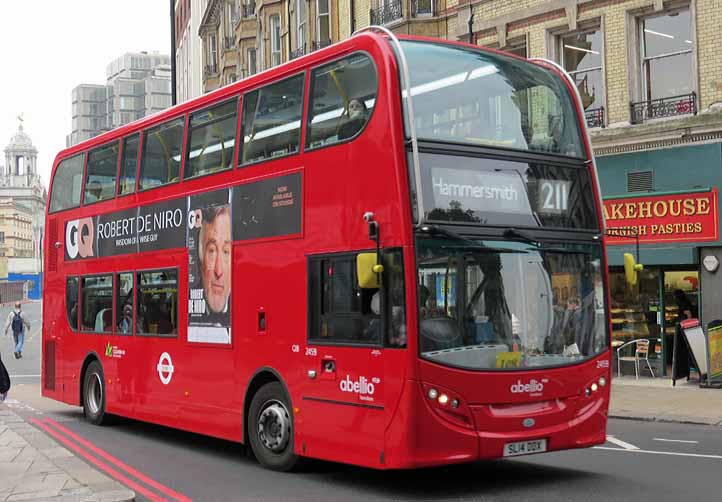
(214, 253)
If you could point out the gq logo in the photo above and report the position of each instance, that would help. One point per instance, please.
(195, 218)
(79, 238)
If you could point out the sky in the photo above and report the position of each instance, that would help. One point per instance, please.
(48, 47)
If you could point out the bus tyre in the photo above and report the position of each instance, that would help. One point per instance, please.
(94, 394)
(270, 428)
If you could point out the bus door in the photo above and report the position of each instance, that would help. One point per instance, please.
(343, 391)
(55, 331)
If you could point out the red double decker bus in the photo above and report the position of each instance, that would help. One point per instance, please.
(387, 253)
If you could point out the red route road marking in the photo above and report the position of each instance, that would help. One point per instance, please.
(99, 464)
(179, 497)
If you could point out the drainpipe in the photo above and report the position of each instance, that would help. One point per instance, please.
(353, 16)
(288, 26)
(471, 23)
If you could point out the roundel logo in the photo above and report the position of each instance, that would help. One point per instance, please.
(165, 368)
(79, 236)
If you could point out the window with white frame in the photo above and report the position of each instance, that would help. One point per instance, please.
(423, 7)
(231, 17)
(251, 61)
(323, 22)
(581, 56)
(516, 47)
(212, 53)
(666, 55)
(275, 31)
(301, 23)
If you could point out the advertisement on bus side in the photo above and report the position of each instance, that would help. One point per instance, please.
(210, 252)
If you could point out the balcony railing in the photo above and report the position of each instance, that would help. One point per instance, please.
(388, 13)
(229, 42)
(422, 8)
(595, 117)
(249, 9)
(321, 44)
(298, 52)
(210, 69)
(643, 111)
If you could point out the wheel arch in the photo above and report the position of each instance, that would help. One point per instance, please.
(89, 358)
(261, 377)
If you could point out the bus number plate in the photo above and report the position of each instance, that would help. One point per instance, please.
(525, 447)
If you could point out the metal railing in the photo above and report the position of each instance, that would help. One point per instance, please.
(421, 8)
(235, 17)
(298, 52)
(229, 42)
(642, 111)
(388, 13)
(210, 69)
(249, 9)
(321, 44)
(594, 117)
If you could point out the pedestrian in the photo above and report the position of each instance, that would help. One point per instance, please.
(18, 322)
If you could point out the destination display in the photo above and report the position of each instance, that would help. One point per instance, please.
(262, 209)
(685, 217)
(499, 192)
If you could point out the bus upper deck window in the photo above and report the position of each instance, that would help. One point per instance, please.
(212, 138)
(161, 158)
(67, 183)
(128, 165)
(100, 173)
(343, 95)
(272, 120)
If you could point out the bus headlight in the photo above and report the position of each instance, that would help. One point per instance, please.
(594, 387)
(433, 393)
(602, 381)
(443, 399)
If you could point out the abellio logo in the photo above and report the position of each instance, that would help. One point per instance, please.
(360, 386)
(527, 388)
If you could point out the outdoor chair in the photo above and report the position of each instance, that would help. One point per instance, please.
(641, 353)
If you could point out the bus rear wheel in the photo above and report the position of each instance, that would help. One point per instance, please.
(270, 428)
(94, 394)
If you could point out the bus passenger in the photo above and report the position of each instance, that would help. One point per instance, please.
(422, 296)
(214, 253)
(356, 119)
(94, 190)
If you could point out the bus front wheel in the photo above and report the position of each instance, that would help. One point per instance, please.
(94, 394)
(270, 428)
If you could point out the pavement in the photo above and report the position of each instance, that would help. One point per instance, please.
(35, 467)
(655, 399)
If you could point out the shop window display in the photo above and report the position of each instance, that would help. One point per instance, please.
(636, 311)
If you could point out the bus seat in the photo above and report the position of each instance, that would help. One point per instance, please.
(108, 320)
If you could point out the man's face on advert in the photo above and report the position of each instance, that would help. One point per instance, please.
(215, 242)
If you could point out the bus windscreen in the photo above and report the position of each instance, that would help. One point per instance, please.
(488, 99)
(503, 305)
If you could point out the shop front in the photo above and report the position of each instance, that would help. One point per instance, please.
(670, 231)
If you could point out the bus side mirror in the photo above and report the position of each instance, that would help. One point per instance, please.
(368, 270)
(631, 269)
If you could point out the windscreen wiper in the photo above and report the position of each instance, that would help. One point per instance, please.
(516, 234)
(435, 230)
